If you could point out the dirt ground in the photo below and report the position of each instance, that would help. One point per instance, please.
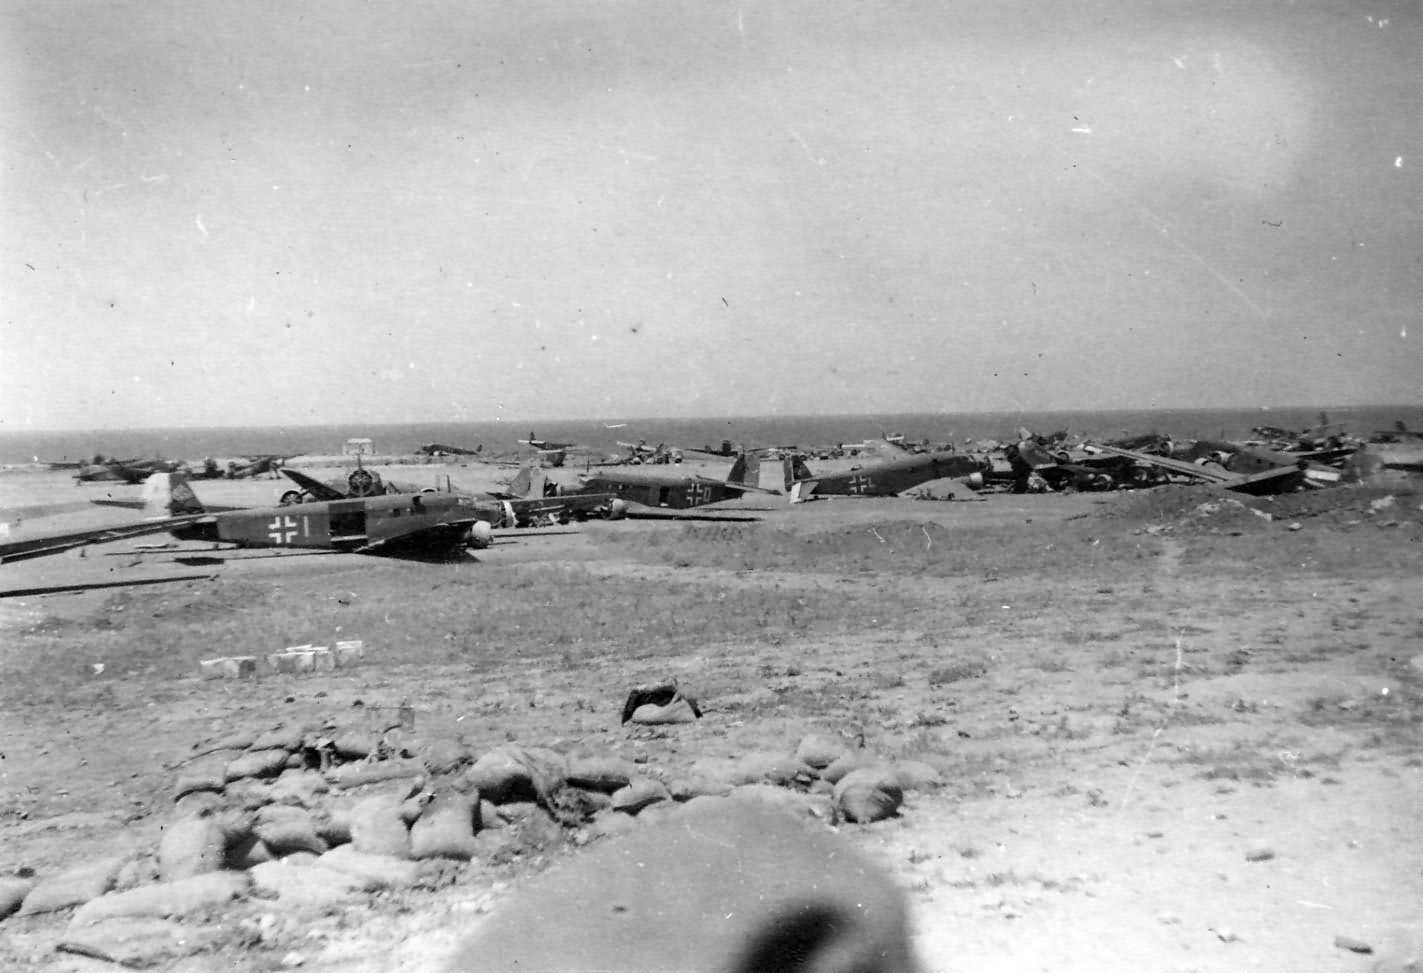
(1175, 733)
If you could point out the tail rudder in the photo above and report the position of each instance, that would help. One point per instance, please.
(530, 481)
(170, 495)
(519, 486)
(739, 470)
(752, 475)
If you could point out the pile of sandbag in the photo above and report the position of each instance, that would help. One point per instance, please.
(318, 817)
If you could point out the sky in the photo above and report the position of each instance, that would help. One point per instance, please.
(288, 213)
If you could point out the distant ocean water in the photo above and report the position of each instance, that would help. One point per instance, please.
(603, 434)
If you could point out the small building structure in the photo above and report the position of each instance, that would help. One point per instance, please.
(358, 446)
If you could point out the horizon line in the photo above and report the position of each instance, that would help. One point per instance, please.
(723, 418)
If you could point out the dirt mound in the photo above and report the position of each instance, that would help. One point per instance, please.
(1349, 504)
(1187, 508)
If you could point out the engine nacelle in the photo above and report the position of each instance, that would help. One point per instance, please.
(616, 509)
(364, 483)
(481, 535)
(975, 481)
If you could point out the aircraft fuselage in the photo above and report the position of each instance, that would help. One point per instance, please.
(674, 493)
(419, 521)
(895, 476)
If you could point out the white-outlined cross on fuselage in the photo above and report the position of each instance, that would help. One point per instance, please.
(282, 529)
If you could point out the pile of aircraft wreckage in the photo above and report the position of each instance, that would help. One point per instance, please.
(363, 514)
(1277, 462)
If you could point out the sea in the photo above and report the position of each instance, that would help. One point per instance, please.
(603, 435)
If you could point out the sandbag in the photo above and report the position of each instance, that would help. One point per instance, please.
(184, 897)
(307, 884)
(73, 887)
(600, 772)
(256, 763)
(377, 828)
(284, 829)
(820, 750)
(12, 893)
(446, 827)
(852, 760)
(303, 787)
(770, 768)
(869, 794)
(358, 775)
(190, 846)
(376, 871)
(686, 788)
(138, 942)
(677, 711)
(444, 756)
(286, 738)
(641, 792)
(205, 773)
(916, 775)
(516, 773)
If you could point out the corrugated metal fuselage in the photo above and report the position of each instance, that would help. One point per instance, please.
(674, 493)
(417, 520)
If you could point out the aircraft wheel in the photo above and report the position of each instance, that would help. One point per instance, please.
(291, 498)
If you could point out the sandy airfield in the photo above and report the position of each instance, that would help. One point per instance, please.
(1171, 738)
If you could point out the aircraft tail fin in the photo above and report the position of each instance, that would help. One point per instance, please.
(522, 481)
(794, 468)
(530, 481)
(746, 470)
(170, 495)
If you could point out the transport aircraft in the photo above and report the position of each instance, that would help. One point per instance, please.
(445, 449)
(257, 465)
(522, 506)
(402, 524)
(884, 479)
(667, 492)
(550, 453)
(122, 470)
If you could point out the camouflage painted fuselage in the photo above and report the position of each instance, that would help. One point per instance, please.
(422, 522)
(885, 479)
(673, 493)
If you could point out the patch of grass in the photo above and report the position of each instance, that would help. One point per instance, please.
(957, 671)
(1396, 719)
(896, 547)
(1241, 761)
(421, 614)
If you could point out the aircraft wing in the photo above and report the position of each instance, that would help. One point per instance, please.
(446, 534)
(58, 543)
(1266, 481)
(138, 504)
(313, 486)
(748, 488)
(1170, 465)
